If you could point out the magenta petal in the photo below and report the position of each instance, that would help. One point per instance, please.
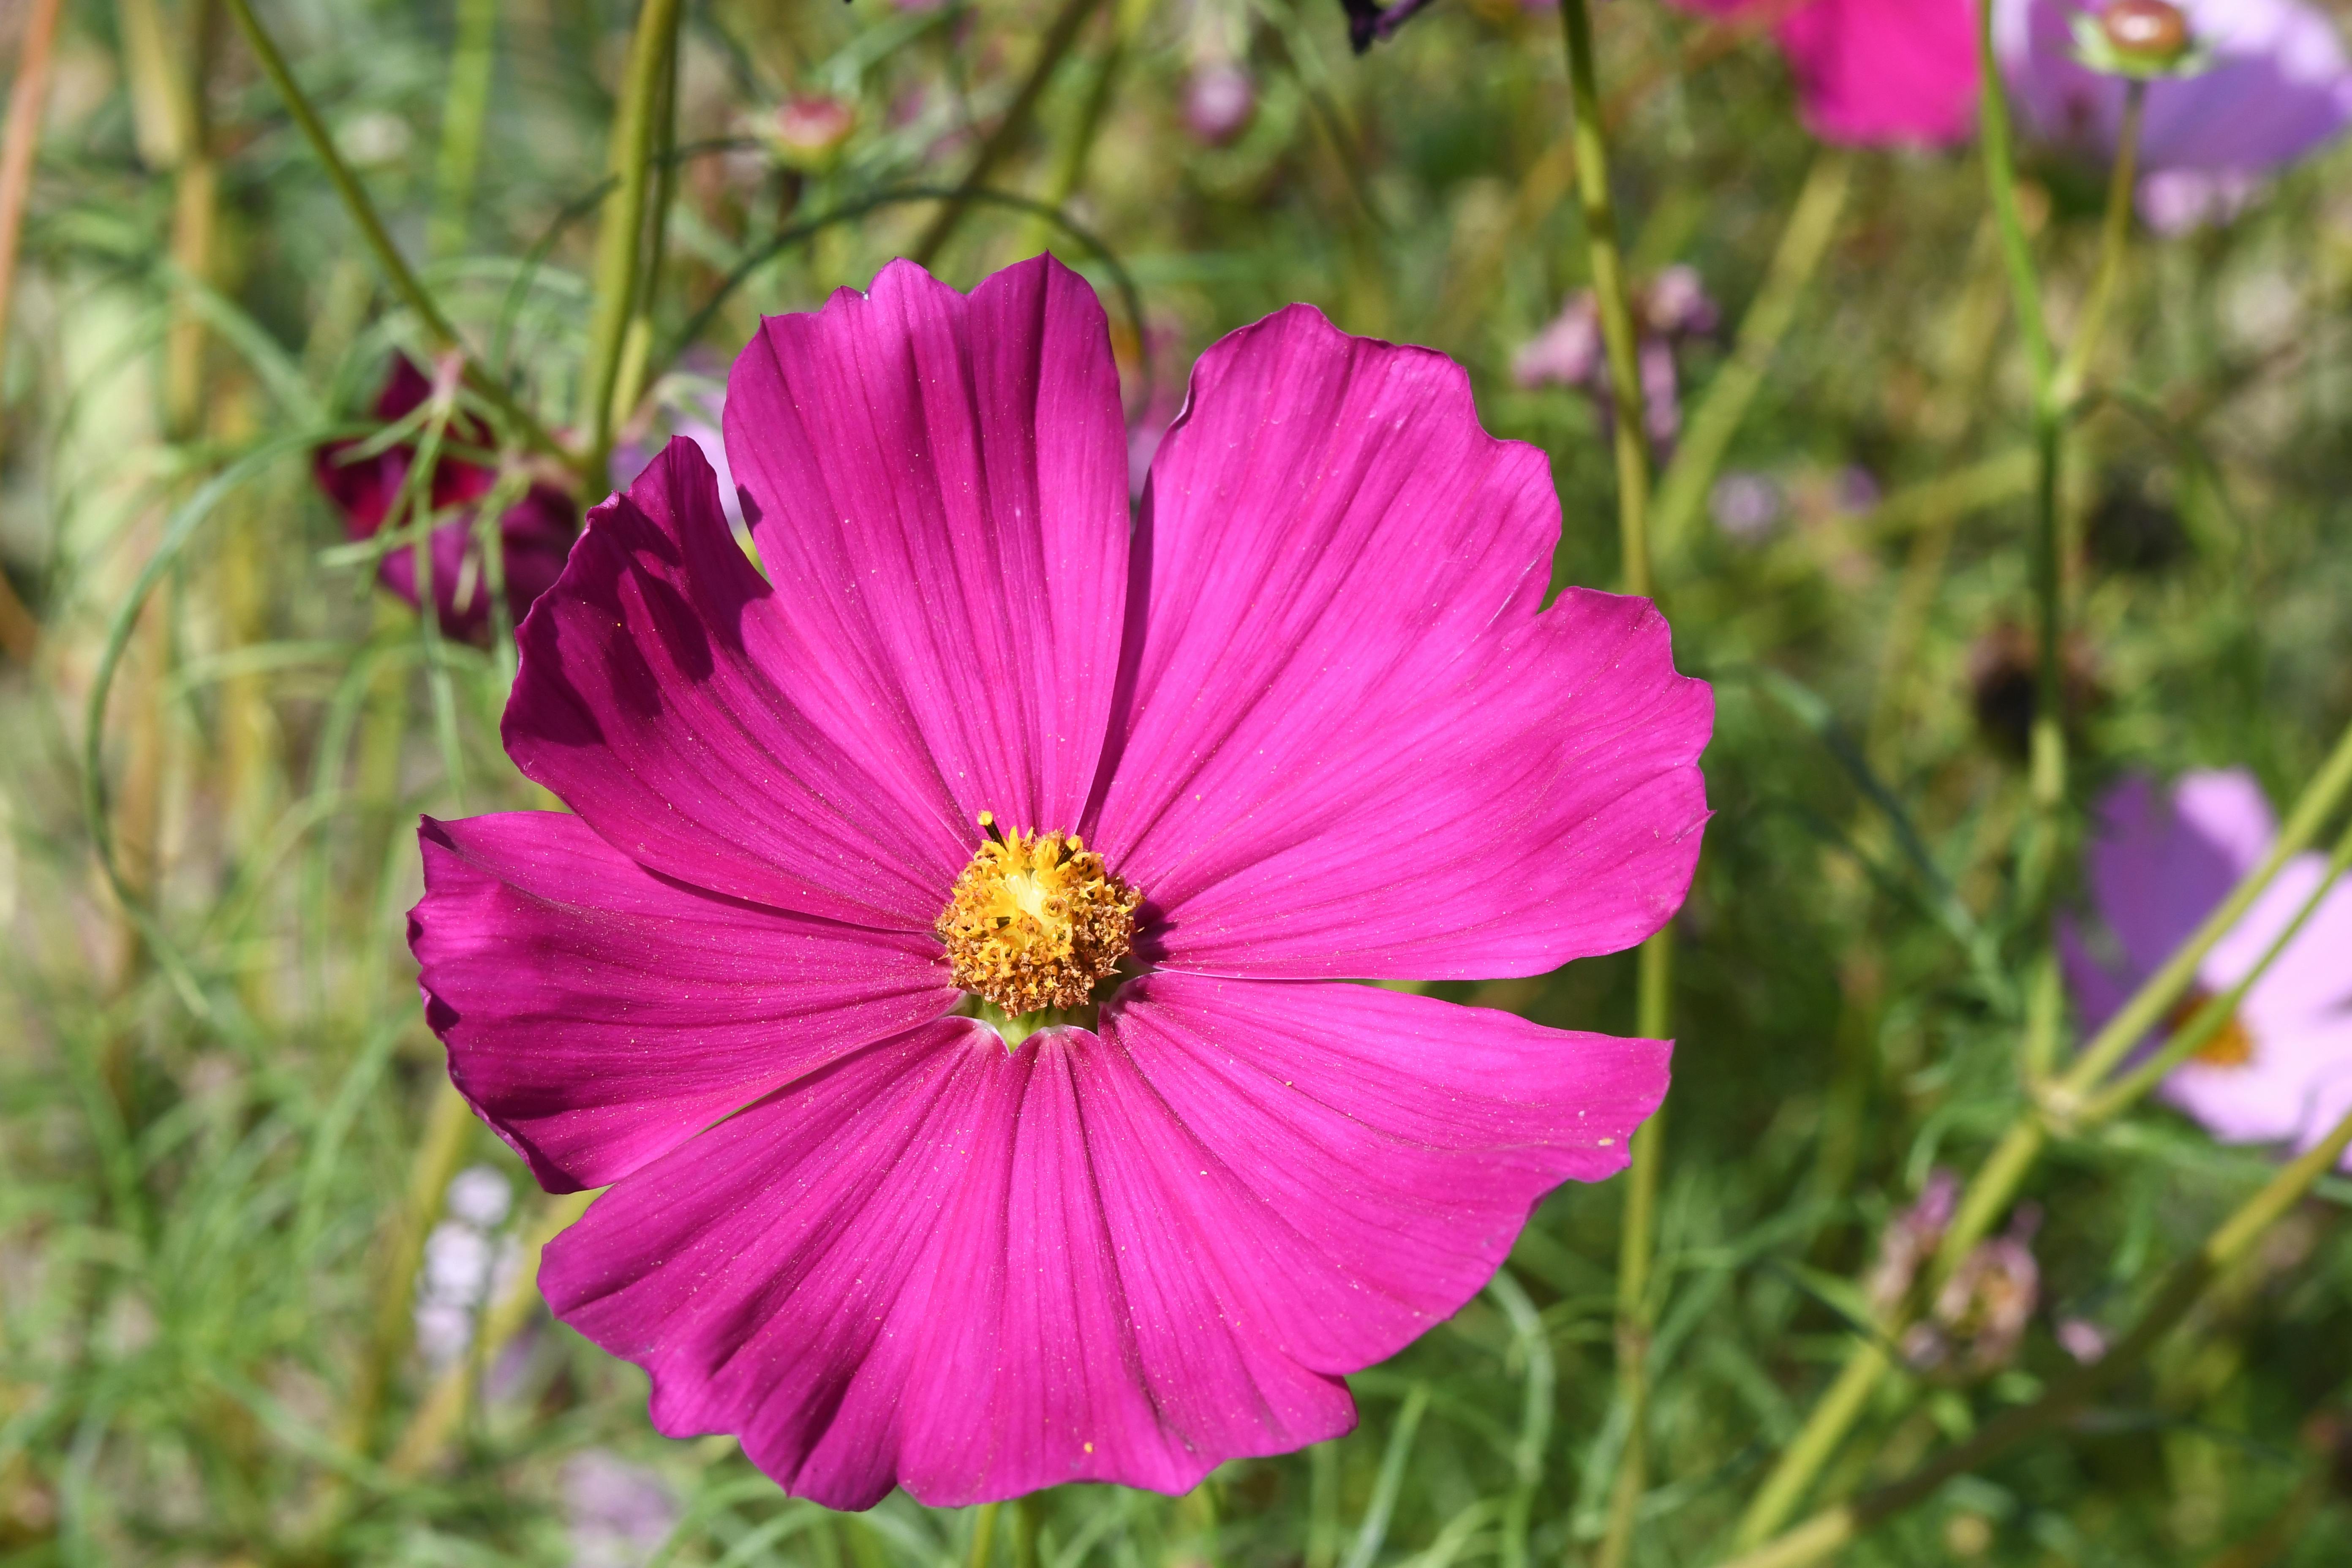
(649, 699)
(899, 1271)
(2159, 864)
(597, 1015)
(1349, 1165)
(939, 490)
(1349, 744)
(1119, 1257)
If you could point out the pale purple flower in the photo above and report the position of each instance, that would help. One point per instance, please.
(1671, 310)
(1747, 506)
(1977, 1321)
(2279, 86)
(1911, 1238)
(619, 1513)
(2083, 1340)
(1219, 98)
(2280, 1070)
(969, 739)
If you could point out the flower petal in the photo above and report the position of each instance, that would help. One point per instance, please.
(1346, 742)
(1349, 1165)
(598, 1015)
(938, 487)
(1117, 1257)
(651, 698)
(898, 1271)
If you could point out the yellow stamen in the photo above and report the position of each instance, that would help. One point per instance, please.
(2230, 1047)
(1035, 920)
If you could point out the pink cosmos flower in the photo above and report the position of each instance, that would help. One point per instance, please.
(1874, 72)
(2280, 1070)
(974, 748)
(2279, 86)
(535, 533)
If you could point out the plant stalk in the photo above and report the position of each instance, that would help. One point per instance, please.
(1825, 1533)
(2115, 239)
(1059, 35)
(1618, 331)
(1995, 1185)
(379, 241)
(1683, 489)
(621, 239)
(463, 113)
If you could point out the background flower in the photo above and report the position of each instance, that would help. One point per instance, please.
(2279, 86)
(2280, 1070)
(1873, 73)
(535, 533)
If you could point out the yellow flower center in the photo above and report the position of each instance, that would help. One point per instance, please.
(2229, 1045)
(1035, 920)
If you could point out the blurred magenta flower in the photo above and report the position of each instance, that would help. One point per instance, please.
(536, 532)
(2278, 86)
(1873, 73)
(1672, 310)
(1219, 98)
(969, 740)
(2281, 1070)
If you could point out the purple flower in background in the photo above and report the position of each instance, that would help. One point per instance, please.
(1911, 1238)
(1978, 1318)
(1673, 309)
(2280, 1071)
(972, 745)
(696, 418)
(535, 533)
(1747, 506)
(2279, 85)
(1219, 98)
(620, 1513)
(1873, 73)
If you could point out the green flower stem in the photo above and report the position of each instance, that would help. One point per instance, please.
(1636, 1303)
(1609, 293)
(1682, 488)
(2114, 238)
(464, 112)
(621, 239)
(1639, 1241)
(2067, 1103)
(435, 1422)
(983, 1532)
(1051, 50)
(1077, 147)
(396, 271)
(1825, 1533)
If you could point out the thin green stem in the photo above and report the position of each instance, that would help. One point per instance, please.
(464, 112)
(620, 242)
(1637, 1247)
(2209, 1019)
(1077, 147)
(1059, 35)
(1990, 1192)
(1825, 1533)
(1620, 337)
(1683, 488)
(2115, 239)
(2327, 791)
(2000, 173)
(1618, 332)
(405, 283)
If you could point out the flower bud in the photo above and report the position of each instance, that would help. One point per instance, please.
(2151, 32)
